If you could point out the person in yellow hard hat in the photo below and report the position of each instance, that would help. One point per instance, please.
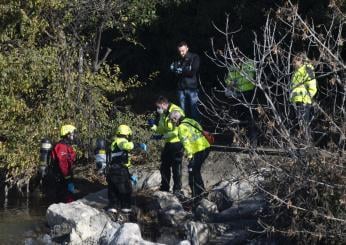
(197, 148)
(172, 154)
(303, 90)
(240, 86)
(64, 157)
(118, 176)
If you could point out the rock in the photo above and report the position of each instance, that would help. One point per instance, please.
(149, 181)
(197, 233)
(166, 201)
(86, 223)
(205, 209)
(170, 235)
(185, 242)
(129, 234)
(247, 209)
(227, 192)
(170, 210)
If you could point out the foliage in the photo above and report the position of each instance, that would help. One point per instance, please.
(52, 73)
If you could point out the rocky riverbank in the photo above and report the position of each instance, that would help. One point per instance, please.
(226, 215)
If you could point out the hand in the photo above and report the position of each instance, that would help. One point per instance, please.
(151, 122)
(70, 187)
(156, 137)
(143, 146)
(134, 179)
(179, 70)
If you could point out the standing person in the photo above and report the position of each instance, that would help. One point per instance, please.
(172, 154)
(303, 90)
(186, 70)
(240, 86)
(118, 176)
(64, 157)
(197, 148)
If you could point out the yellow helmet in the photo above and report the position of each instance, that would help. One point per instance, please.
(124, 130)
(66, 129)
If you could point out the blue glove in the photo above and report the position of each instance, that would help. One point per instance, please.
(134, 179)
(151, 122)
(70, 187)
(143, 146)
(156, 137)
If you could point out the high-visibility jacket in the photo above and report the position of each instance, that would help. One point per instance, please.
(165, 126)
(190, 135)
(242, 80)
(120, 152)
(303, 85)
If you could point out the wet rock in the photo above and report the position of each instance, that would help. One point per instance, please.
(128, 234)
(97, 200)
(149, 181)
(45, 239)
(205, 209)
(197, 233)
(170, 235)
(85, 223)
(165, 200)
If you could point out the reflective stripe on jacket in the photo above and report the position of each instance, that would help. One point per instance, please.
(304, 85)
(190, 135)
(165, 126)
(120, 149)
(241, 80)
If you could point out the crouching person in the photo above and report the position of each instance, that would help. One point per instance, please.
(117, 174)
(197, 148)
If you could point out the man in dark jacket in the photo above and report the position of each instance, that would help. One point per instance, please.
(186, 69)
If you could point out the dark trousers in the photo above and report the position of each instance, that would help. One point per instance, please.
(188, 101)
(171, 158)
(62, 193)
(119, 187)
(303, 119)
(248, 114)
(195, 177)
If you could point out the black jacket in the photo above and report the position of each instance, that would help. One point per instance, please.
(190, 66)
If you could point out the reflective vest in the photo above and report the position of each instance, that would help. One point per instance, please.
(241, 80)
(190, 135)
(303, 84)
(120, 149)
(165, 126)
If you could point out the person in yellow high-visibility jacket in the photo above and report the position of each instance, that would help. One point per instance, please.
(197, 149)
(172, 154)
(303, 90)
(240, 86)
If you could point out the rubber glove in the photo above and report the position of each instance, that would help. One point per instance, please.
(134, 179)
(143, 146)
(156, 137)
(70, 187)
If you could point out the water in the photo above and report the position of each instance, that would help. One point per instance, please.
(22, 218)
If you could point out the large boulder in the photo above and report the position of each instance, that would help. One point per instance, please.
(170, 210)
(149, 181)
(227, 192)
(84, 223)
(129, 234)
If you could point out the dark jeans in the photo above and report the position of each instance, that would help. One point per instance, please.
(304, 115)
(171, 157)
(62, 193)
(119, 187)
(195, 177)
(188, 100)
(248, 114)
